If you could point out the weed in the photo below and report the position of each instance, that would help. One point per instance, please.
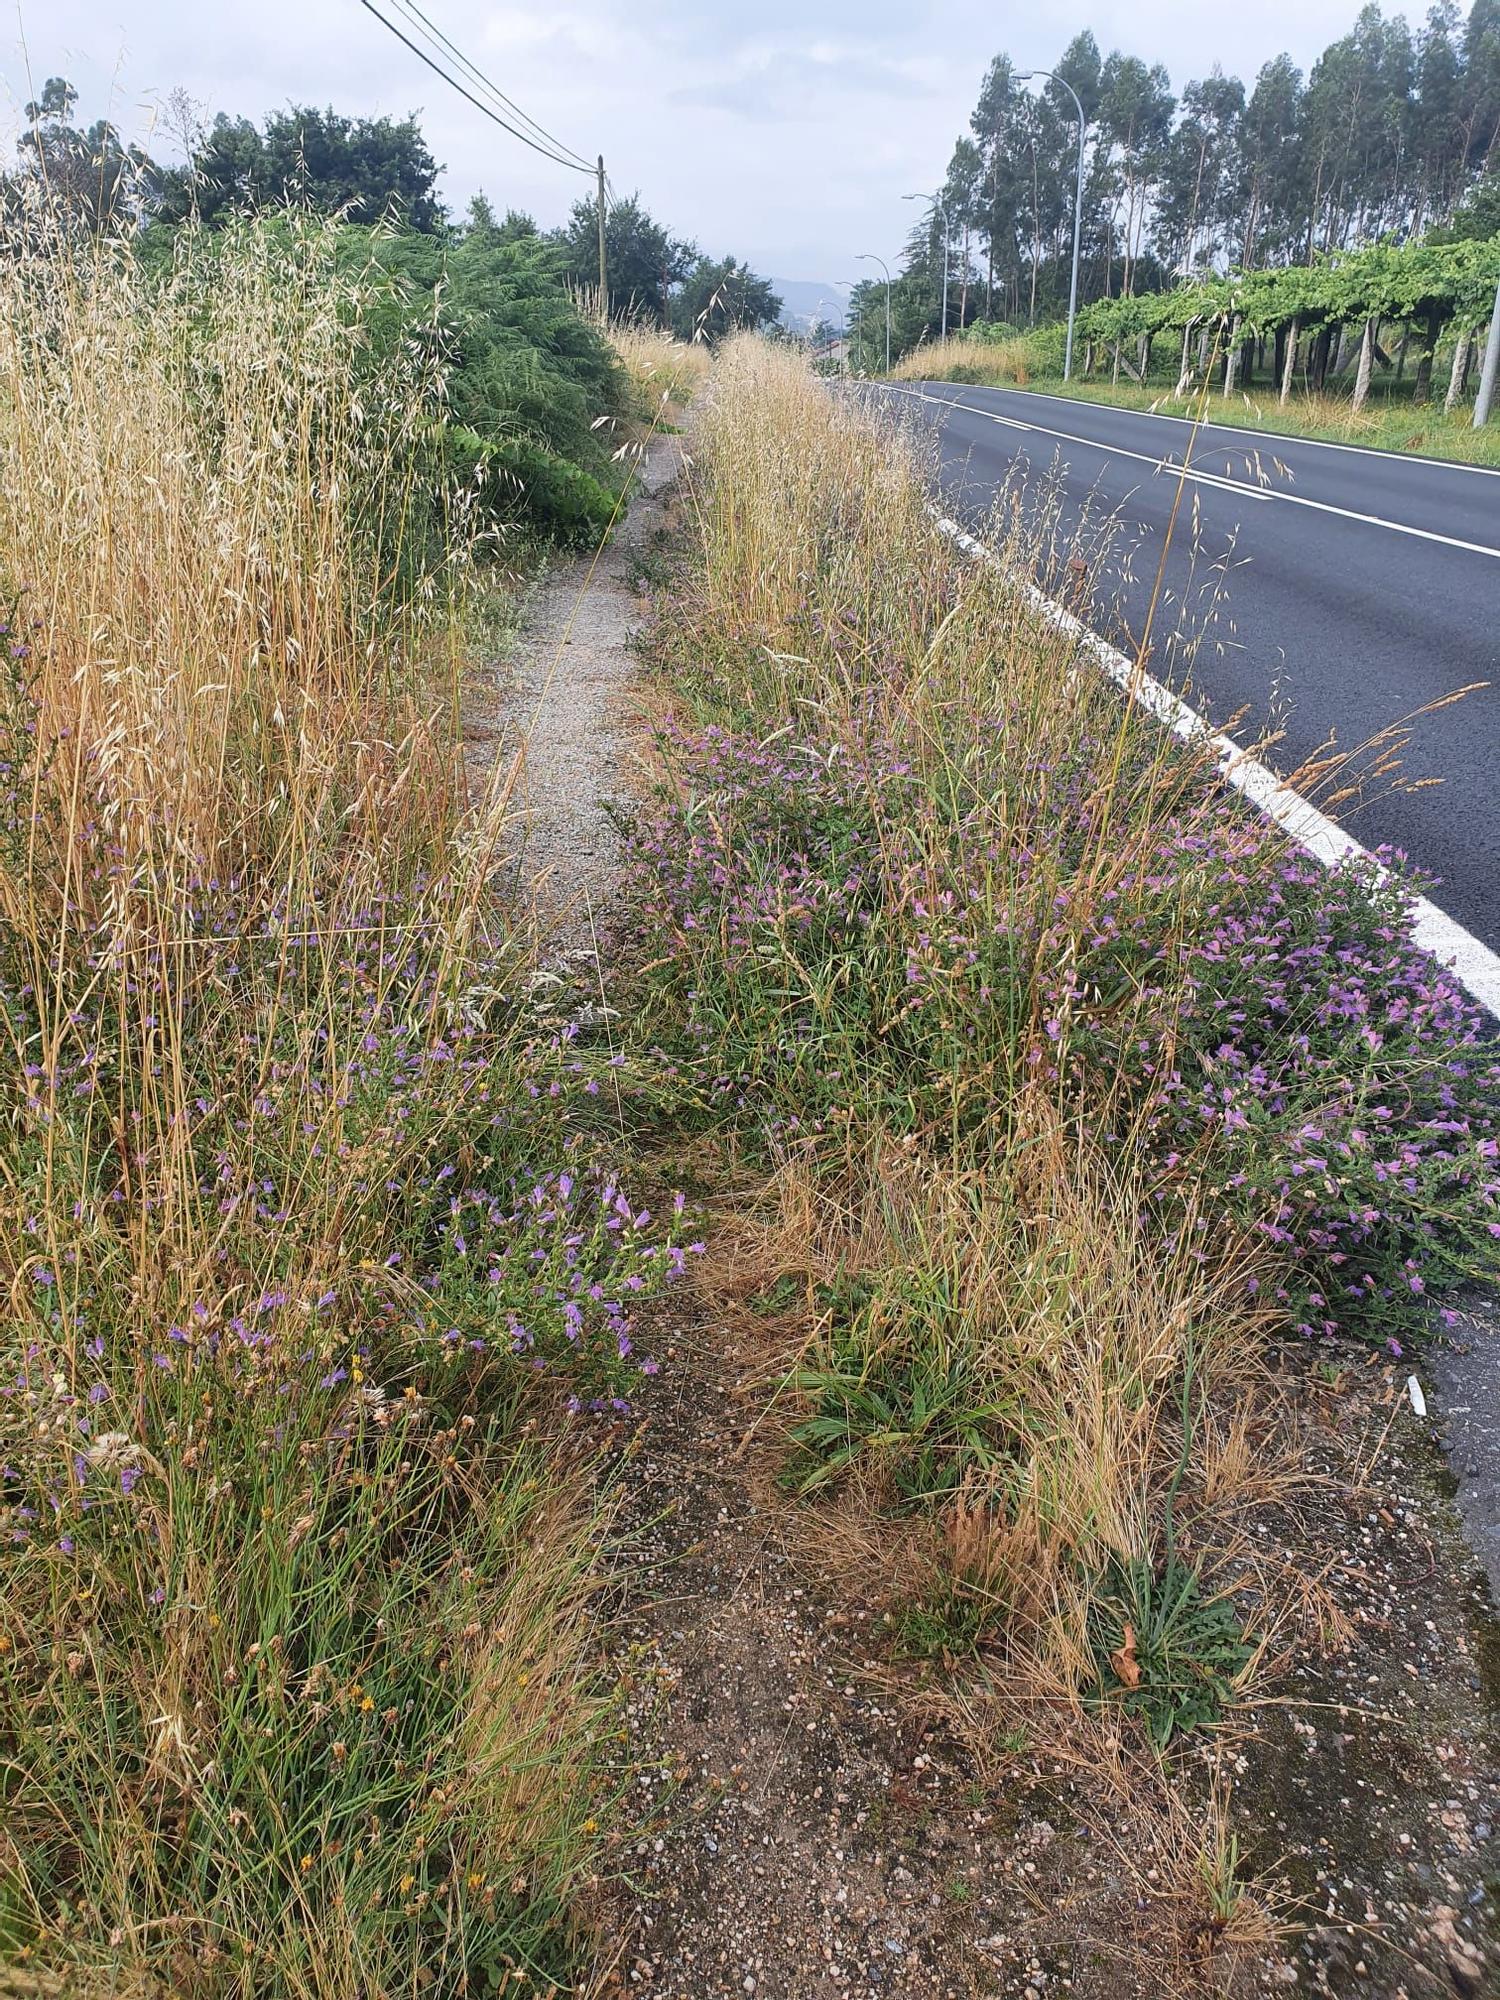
(1167, 1651)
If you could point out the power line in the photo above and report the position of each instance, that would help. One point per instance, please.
(412, 12)
(559, 159)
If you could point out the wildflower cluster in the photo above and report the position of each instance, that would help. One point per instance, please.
(848, 929)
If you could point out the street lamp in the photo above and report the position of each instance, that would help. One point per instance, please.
(867, 257)
(1025, 76)
(936, 201)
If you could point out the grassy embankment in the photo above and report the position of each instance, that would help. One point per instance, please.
(307, 1234)
(1059, 1088)
(1390, 420)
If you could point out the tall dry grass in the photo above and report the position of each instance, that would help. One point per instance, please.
(212, 512)
(296, 1692)
(839, 604)
(1000, 363)
(664, 373)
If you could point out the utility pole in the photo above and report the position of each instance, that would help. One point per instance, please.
(603, 270)
(866, 257)
(1025, 76)
(1486, 396)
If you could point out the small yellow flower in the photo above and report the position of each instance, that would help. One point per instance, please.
(306, 1864)
(591, 1826)
(476, 1880)
(407, 1881)
(367, 1704)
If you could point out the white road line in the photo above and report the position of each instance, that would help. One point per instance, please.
(1255, 431)
(1217, 479)
(1473, 964)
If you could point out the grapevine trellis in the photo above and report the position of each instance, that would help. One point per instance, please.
(1425, 290)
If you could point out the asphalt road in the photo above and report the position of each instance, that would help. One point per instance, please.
(1324, 591)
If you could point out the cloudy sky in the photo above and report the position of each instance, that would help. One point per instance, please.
(785, 131)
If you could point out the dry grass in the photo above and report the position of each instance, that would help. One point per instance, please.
(1008, 1401)
(1001, 363)
(203, 500)
(665, 373)
(297, 1627)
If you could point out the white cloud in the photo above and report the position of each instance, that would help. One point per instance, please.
(786, 130)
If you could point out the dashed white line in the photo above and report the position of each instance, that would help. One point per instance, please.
(1216, 479)
(1255, 431)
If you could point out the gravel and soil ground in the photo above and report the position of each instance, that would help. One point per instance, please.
(816, 1817)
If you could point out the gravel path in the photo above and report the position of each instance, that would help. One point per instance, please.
(561, 706)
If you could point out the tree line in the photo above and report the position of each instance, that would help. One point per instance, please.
(1384, 137)
(364, 171)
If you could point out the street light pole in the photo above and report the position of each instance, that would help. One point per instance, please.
(868, 257)
(1025, 76)
(936, 201)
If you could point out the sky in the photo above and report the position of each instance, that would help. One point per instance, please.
(781, 131)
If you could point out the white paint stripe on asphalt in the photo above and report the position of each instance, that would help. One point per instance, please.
(1255, 431)
(1217, 479)
(1473, 964)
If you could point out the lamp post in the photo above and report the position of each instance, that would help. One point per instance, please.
(936, 201)
(1025, 76)
(867, 257)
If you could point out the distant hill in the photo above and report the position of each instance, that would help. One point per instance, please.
(804, 301)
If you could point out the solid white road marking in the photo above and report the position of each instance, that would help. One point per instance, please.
(1473, 964)
(1217, 479)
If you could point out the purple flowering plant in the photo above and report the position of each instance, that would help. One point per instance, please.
(920, 918)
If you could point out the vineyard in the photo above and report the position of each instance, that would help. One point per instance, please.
(1428, 291)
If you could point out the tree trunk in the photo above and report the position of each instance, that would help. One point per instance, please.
(1469, 353)
(1401, 352)
(1115, 371)
(1460, 369)
(1247, 363)
(1278, 354)
(1321, 347)
(1183, 377)
(1342, 355)
(1289, 361)
(1422, 386)
(1232, 357)
(1143, 356)
(1366, 364)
